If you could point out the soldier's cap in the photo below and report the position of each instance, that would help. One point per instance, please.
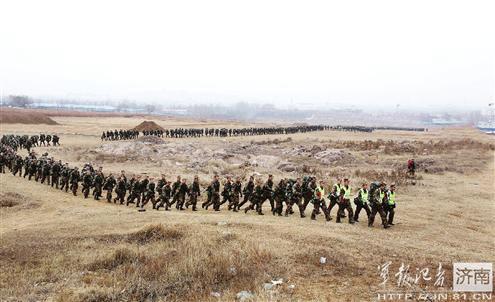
(346, 179)
(392, 185)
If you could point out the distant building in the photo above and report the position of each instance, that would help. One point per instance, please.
(79, 107)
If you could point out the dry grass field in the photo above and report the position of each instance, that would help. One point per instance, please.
(58, 247)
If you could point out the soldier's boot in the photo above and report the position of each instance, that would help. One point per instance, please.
(327, 216)
(371, 220)
(287, 210)
(259, 208)
(391, 217)
(351, 217)
(313, 215)
(247, 209)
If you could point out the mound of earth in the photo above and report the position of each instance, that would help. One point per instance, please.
(20, 116)
(147, 126)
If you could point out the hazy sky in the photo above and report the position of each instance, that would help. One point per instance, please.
(416, 53)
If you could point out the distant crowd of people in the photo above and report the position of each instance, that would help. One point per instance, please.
(223, 132)
(227, 132)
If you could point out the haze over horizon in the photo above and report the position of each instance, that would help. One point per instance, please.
(421, 54)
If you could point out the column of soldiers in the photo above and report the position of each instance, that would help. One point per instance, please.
(28, 142)
(119, 135)
(224, 132)
(162, 193)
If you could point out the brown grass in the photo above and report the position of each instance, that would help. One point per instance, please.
(7, 202)
(155, 233)
(187, 269)
(119, 257)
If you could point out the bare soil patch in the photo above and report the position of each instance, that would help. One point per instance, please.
(21, 116)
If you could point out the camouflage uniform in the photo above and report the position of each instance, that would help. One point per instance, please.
(377, 200)
(194, 193)
(236, 194)
(108, 186)
(120, 190)
(247, 192)
(280, 197)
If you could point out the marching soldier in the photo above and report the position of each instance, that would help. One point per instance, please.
(227, 192)
(236, 194)
(175, 191)
(248, 190)
(215, 194)
(64, 177)
(108, 186)
(165, 196)
(255, 199)
(56, 167)
(182, 191)
(120, 190)
(267, 194)
(280, 195)
(98, 184)
(150, 194)
(144, 187)
(308, 189)
(361, 202)
(194, 193)
(86, 185)
(159, 185)
(295, 198)
(74, 180)
(319, 202)
(135, 192)
(377, 205)
(345, 202)
(390, 205)
(335, 195)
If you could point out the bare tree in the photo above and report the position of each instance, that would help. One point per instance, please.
(19, 100)
(150, 108)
